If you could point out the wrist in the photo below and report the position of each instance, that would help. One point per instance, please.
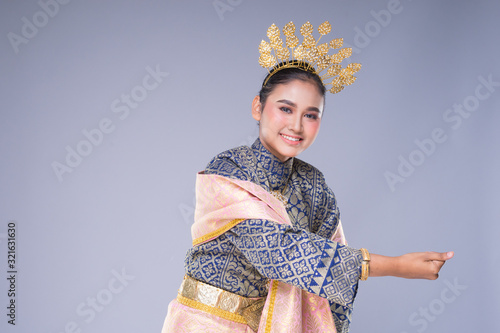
(365, 265)
(398, 267)
(384, 265)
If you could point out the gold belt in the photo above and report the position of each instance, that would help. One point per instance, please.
(222, 303)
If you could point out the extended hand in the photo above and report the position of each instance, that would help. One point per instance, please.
(417, 265)
(422, 265)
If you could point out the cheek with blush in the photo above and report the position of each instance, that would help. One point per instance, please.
(313, 128)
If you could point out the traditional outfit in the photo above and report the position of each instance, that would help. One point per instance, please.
(269, 253)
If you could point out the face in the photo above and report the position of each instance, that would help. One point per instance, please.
(290, 120)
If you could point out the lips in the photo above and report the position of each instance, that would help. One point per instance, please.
(291, 138)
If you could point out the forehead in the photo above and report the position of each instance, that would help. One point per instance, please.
(302, 93)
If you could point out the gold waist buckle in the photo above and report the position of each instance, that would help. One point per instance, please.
(222, 303)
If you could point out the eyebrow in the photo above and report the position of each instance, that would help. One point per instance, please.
(292, 104)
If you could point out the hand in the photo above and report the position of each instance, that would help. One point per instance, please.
(422, 265)
(418, 265)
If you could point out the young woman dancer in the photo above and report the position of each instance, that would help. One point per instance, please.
(269, 253)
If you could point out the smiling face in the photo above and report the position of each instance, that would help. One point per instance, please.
(290, 119)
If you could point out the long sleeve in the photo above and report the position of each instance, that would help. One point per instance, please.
(300, 258)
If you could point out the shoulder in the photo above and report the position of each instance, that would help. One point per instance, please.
(232, 163)
(308, 171)
(311, 178)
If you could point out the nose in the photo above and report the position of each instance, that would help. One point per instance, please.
(295, 123)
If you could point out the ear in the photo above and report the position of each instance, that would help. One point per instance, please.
(256, 108)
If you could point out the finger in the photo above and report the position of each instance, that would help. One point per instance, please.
(439, 264)
(440, 256)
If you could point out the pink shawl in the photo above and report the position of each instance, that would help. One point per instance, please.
(222, 203)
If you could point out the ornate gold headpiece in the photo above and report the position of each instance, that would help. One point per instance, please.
(309, 56)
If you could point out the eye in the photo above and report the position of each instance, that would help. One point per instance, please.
(285, 109)
(311, 116)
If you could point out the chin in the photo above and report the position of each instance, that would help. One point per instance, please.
(291, 154)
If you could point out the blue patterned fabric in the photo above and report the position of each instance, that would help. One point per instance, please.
(243, 259)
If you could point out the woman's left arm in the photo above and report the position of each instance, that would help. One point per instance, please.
(417, 265)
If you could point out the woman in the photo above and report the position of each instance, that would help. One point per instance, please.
(269, 253)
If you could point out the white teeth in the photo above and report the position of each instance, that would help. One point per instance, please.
(290, 138)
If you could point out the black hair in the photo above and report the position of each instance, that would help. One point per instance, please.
(279, 76)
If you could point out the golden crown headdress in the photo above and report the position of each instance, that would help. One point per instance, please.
(310, 55)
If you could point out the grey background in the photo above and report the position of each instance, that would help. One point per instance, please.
(126, 208)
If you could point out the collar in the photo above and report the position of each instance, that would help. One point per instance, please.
(277, 172)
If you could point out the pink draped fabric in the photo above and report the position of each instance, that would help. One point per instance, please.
(184, 319)
(338, 236)
(219, 201)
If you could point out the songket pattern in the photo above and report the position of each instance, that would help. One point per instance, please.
(244, 258)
